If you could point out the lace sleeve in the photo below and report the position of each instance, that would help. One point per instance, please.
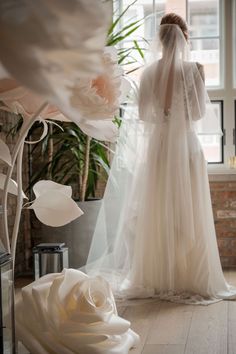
(145, 97)
(201, 71)
(198, 99)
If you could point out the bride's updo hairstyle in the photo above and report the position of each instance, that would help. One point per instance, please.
(165, 31)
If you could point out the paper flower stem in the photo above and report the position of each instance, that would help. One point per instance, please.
(23, 133)
(19, 203)
(85, 169)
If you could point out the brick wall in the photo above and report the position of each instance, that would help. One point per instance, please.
(223, 194)
(23, 253)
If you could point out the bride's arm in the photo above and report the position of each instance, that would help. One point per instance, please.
(144, 96)
(201, 71)
(198, 93)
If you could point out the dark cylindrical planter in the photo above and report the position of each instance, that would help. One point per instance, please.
(77, 235)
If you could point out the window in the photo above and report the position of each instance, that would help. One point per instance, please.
(206, 45)
(213, 144)
(234, 41)
(212, 26)
(205, 34)
(204, 21)
(234, 131)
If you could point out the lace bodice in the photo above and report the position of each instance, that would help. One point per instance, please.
(187, 97)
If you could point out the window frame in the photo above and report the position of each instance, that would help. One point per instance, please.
(234, 40)
(234, 132)
(219, 37)
(226, 91)
(221, 104)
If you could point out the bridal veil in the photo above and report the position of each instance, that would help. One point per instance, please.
(155, 232)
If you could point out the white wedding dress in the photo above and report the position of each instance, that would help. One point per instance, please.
(155, 234)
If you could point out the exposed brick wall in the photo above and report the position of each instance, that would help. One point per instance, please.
(223, 196)
(23, 253)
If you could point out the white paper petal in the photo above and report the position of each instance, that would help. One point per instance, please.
(112, 51)
(12, 186)
(18, 99)
(45, 186)
(104, 130)
(5, 154)
(55, 209)
(3, 72)
(43, 135)
(60, 117)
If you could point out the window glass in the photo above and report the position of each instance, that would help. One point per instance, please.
(140, 10)
(213, 144)
(234, 41)
(207, 52)
(204, 31)
(203, 17)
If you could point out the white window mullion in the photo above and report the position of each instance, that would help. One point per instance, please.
(228, 87)
(234, 41)
(227, 94)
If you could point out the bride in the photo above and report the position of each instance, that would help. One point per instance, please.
(155, 234)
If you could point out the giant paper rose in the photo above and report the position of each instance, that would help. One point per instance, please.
(69, 312)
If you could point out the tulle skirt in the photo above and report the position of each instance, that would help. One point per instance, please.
(167, 245)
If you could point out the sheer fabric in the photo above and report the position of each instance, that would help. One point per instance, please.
(155, 234)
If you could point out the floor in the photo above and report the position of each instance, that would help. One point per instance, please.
(168, 328)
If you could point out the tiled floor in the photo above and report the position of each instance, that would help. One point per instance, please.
(168, 328)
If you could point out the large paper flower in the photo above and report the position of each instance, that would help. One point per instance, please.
(48, 45)
(101, 97)
(69, 313)
(17, 99)
(50, 48)
(20, 100)
(96, 101)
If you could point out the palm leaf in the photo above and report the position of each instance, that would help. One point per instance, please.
(116, 22)
(138, 49)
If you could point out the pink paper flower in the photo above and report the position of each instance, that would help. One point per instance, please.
(100, 98)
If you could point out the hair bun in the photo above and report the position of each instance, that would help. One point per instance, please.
(174, 19)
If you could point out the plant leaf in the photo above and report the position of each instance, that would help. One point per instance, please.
(116, 39)
(113, 25)
(129, 26)
(138, 49)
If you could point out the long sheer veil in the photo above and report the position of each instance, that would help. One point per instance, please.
(151, 170)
